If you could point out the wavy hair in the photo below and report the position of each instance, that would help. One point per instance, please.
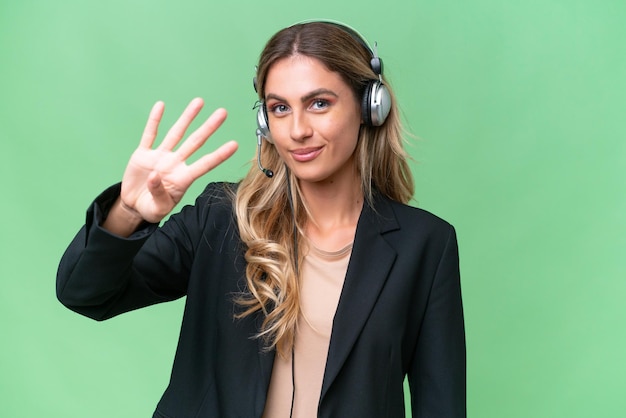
(260, 203)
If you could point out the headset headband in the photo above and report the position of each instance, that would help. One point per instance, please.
(376, 63)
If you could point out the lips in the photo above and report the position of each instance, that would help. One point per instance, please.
(306, 154)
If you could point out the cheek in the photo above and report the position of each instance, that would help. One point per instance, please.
(281, 141)
(278, 133)
(344, 129)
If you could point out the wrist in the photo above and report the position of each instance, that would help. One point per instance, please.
(122, 220)
(131, 213)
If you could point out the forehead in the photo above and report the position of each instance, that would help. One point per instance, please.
(299, 74)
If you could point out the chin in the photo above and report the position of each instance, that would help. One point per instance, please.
(310, 178)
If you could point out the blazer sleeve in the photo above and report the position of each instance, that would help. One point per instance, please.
(437, 376)
(102, 275)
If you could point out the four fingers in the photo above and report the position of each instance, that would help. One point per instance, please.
(191, 144)
(177, 131)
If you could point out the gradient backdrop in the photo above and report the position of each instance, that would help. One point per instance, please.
(518, 114)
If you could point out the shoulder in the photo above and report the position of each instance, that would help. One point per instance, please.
(394, 215)
(417, 233)
(421, 216)
(218, 192)
(215, 196)
(408, 229)
(214, 205)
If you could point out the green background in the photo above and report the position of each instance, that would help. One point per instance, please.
(517, 111)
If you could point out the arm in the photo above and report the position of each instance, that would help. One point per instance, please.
(103, 271)
(437, 376)
(102, 274)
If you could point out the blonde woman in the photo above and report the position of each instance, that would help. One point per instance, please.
(312, 288)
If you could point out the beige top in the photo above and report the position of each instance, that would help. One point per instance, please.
(323, 275)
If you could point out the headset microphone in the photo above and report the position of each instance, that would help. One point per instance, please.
(269, 173)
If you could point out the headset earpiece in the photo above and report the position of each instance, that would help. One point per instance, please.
(262, 123)
(376, 104)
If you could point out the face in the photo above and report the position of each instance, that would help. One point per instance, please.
(314, 120)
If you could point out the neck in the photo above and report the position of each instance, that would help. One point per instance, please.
(334, 209)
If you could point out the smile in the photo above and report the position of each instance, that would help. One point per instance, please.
(306, 154)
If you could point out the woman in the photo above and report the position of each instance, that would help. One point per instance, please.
(312, 291)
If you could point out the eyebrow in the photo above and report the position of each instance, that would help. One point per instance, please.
(304, 98)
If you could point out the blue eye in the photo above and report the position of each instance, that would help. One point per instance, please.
(279, 109)
(319, 104)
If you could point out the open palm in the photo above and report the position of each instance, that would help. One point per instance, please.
(155, 180)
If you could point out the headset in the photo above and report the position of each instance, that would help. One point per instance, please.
(375, 103)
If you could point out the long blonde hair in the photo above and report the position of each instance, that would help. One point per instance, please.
(271, 214)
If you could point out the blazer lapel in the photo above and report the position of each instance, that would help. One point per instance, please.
(372, 258)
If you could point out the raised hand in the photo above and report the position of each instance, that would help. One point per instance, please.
(156, 179)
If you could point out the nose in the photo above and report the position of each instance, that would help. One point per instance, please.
(301, 128)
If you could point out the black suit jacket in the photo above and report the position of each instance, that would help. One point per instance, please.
(399, 313)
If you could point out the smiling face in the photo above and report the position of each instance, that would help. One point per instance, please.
(314, 120)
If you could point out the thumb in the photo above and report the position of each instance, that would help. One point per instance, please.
(155, 186)
(163, 202)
